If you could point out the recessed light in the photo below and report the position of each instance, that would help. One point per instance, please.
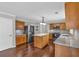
(56, 12)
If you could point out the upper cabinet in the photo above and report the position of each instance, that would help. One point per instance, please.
(20, 25)
(61, 26)
(51, 26)
(72, 15)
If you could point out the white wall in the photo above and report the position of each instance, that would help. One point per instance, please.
(37, 29)
(41, 28)
(4, 42)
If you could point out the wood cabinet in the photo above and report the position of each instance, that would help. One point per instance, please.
(20, 25)
(62, 51)
(41, 41)
(75, 52)
(61, 26)
(72, 15)
(20, 39)
(51, 26)
(65, 51)
(50, 36)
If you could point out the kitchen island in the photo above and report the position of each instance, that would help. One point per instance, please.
(41, 40)
(66, 46)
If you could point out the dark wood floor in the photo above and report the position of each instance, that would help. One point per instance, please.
(28, 50)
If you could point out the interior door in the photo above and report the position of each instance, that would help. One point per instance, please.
(6, 33)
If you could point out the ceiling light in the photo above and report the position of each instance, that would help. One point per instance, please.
(56, 12)
(42, 23)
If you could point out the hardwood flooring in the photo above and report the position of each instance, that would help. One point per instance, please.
(28, 50)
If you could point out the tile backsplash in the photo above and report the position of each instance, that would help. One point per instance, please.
(75, 33)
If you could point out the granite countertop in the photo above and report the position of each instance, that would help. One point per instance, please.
(58, 31)
(67, 40)
(40, 34)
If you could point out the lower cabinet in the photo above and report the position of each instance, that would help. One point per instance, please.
(62, 51)
(41, 41)
(50, 36)
(75, 52)
(65, 51)
(20, 39)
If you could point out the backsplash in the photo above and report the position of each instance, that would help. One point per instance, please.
(19, 32)
(41, 29)
(75, 33)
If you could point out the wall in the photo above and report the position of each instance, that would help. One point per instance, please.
(41, 28)
(37, 29)
(4, 45)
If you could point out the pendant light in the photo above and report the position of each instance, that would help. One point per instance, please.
(43, 22)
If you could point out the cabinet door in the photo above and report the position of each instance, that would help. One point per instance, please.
(77, 14)
(38, 41)
(20, 39)
(62, 51)
(19, 25)
(50, 36)
(62, 26)
(70, 13)
(47, 39)
(75, 52)
(44, 40)
(51, 26)
(23, 39)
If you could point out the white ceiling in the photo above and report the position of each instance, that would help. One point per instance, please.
(33, 11)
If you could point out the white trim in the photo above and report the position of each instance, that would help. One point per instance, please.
(14, 31)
